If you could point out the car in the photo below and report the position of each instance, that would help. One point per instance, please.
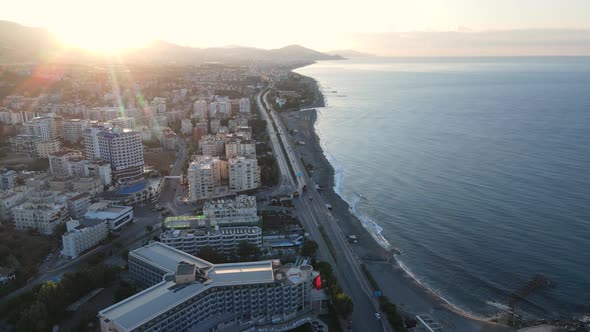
(378, 316)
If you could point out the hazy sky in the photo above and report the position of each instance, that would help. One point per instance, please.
(369, 25)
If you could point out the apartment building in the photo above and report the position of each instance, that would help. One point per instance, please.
(47, 147)
(243, 173)
(41, 211)
(228, 211)
(59, 162)
(213, 146)
(74, 129)
(204, 176)
(235, 147)
(244, 105)
(10, 198)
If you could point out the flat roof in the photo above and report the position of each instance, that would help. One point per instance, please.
(151, 302)
(167, 257)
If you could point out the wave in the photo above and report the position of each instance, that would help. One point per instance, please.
(368, 223)
(373, 227)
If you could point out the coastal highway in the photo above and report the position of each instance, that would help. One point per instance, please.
(286, 183)
(313, 212)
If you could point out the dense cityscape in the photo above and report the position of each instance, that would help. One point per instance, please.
(175, 188)
(423, 167)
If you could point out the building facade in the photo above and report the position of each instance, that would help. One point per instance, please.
(73, 129)
(241, 210)
(123, 149)
(204, 176)
(243, 173)
(224, 240)
(42, 211)
(116, 216)
(81, 236)
(188, 293)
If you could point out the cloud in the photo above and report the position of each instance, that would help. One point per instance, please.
(465, 42)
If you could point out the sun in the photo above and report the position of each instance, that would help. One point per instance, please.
(102, 38)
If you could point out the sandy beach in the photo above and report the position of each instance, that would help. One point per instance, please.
(410, 296)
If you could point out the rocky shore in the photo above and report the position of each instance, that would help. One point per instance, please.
(410, 296)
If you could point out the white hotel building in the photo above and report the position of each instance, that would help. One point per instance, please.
(116, 216)
(224, 240)
(81, 236)
(187, 293)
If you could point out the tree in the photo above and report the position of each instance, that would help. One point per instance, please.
(209, 254)
(309, 248)
(247, 251)
(125, 254)
(149, 228)
(343, 304)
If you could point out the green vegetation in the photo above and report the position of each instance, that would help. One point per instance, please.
(279, 222)
(124, 291)
(388, 308)
(309, 248)
(341, 302)
(247, 251)
(328, 242)
(209, 254)
(299, 91)
(269, 172)
(22, 251)
(46, 304)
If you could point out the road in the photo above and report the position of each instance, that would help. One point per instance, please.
(312, 212)
(286, 183)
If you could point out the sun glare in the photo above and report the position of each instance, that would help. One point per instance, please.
(101, 39)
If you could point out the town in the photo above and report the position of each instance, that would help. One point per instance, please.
(167, 195)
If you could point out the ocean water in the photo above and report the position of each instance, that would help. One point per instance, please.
(478, 169)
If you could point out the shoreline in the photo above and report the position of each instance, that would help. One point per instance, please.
(405, 290)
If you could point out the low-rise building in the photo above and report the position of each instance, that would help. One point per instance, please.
(78, 204)
(117, 216)
(222, 239)
(24, 144)
(45, 148)
(10, 198)
(42, 211)
(83, 235)
(239, 211)
(188, 293)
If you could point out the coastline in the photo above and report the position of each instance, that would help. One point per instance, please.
(404, 289)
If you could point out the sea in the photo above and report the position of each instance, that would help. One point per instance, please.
(477, 169)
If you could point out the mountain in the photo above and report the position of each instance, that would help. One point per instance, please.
(351, 53)
(25, 44)
(19, 43)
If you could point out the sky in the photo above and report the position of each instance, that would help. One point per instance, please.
(384, 27)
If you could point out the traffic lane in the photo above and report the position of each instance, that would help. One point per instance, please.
(363, 311)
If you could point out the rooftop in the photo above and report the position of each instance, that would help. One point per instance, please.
(159, 298)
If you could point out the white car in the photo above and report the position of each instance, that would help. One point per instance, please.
(378, 316)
